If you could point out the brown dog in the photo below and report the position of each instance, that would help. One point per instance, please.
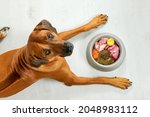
(43, 56)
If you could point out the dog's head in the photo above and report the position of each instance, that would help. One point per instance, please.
(44, 44)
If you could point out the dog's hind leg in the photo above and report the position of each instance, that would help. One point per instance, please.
(14, 88)
(95, 22)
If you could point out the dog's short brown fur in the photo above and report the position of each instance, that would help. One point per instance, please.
(43, 56)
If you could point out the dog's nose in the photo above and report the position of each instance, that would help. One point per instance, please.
(68, 48)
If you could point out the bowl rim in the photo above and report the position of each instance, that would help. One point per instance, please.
(119, 42)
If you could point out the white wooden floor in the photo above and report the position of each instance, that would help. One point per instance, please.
(128, 19)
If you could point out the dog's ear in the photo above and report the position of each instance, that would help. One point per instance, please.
(45, 25)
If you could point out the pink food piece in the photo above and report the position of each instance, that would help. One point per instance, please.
(102, 47)
(106, 48)
(111, 47)
(114, 51)
(96, 46)
(101, 44)
(99, 47)
(103, 40)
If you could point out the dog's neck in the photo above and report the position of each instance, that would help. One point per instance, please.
(20, 63)
(18, 69)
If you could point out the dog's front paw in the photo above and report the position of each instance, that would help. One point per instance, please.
(95, 22)
(122, 83)
(98, 20)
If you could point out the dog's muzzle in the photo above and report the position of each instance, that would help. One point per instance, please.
(67, 48)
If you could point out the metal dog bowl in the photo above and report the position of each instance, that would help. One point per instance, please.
(99, 66)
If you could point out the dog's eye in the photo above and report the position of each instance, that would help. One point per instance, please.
(50, 36)
(47, 51)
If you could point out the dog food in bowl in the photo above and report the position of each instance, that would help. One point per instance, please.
(106, 51)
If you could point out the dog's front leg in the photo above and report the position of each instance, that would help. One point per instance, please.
(119, 82)
(95, 22)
